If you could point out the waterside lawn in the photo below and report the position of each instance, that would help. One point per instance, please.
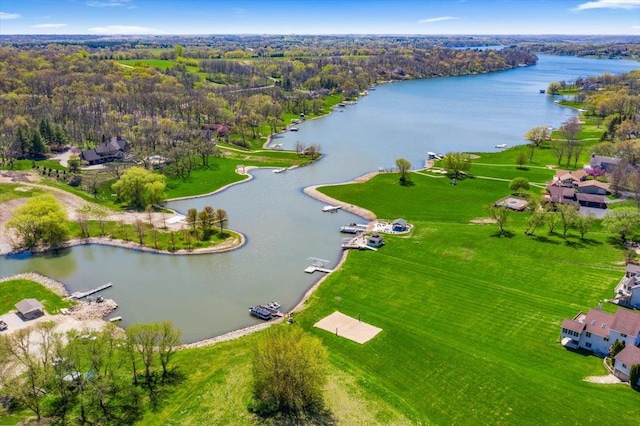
(13, 291)
(470, 320)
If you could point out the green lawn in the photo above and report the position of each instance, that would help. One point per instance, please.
(152, 63)
(472, 318)
(12, 191)
(13, 291)
(470, 322)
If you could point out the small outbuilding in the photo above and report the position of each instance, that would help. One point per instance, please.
(399, 225)
(29, 309)
(375, 241)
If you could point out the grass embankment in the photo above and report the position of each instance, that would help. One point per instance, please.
(13, 291)
(470, 319)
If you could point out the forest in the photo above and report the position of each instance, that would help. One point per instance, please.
(56, 95)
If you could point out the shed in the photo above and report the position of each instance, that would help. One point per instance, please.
(29, 308)
(375, 241)
(399, 225)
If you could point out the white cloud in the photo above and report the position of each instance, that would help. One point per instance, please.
(110, 3)
(438, 19)
(123, 29)
(636, 27)
(5, 15)
(49, 26)
(608, 4)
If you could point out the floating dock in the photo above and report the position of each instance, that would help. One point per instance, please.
(82, 294)
(317, 265)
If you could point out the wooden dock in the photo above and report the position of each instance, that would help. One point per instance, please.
(82, 294)
(311, 269)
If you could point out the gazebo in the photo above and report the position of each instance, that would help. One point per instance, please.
(399, 225)
(375, 241)
(29, 308)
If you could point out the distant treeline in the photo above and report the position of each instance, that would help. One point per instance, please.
(611, 51)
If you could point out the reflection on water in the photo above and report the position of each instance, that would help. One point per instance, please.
(208, 295)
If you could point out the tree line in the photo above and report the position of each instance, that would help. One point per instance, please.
(105, 377)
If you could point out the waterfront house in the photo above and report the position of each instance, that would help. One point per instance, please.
(624, 360)
(627, 292)
(596, 331)
(106, 152)
(399, 225)
(29, 309)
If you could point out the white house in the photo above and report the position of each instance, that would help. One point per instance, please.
(624, 360)
(596, 331)
(627, 292)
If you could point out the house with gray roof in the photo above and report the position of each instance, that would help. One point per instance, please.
(112, 150)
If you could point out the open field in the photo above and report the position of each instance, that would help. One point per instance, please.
(474, 315)
(470, 322)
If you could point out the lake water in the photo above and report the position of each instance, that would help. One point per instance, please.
(208, 295)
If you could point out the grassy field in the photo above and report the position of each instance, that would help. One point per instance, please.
(162, 64)
(13, 291)
(8, 192)
(475, 316)
(470, 321)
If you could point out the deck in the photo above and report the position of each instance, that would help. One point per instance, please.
(82, 294)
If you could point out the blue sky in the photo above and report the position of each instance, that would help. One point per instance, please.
(320, 17)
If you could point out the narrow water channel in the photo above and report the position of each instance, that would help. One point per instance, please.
(208, 295)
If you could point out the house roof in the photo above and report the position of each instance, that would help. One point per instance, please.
(560, 193)
(90, 155)
(632, 269)
(26, 306)
(574, 175)
(630, 355)
(573, 325)
(598, 322)
(591, 198)
(601, 159)
(627, 322)
(596, 183)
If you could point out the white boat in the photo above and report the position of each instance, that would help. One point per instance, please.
(331, 209)
(283, 170)
(294, 129)
(502, 145)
